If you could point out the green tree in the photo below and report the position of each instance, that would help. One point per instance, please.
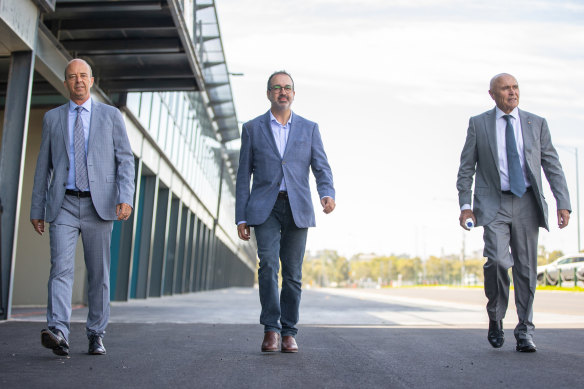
(409, 268)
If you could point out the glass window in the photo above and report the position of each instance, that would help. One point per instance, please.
(145, 109)
(175, 139)
(187, 124)
(178, 108)
(164, 135)
(133, 103)
(169, 99)
(155, 118)
(181, 154)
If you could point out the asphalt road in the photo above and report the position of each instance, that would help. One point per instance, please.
(397, 338)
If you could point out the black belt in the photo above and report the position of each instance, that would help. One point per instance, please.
(508, 192)
(283, 195)
(77, 193)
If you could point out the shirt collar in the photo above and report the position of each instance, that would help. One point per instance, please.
(86, 105)
(500, 114)
(273, 118)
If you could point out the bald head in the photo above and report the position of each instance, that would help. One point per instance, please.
(78, 80)
(495, 78)
(504, 89)
(80, 61)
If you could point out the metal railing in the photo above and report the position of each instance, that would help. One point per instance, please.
(547, 280)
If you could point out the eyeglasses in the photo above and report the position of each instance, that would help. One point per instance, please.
(278, 88)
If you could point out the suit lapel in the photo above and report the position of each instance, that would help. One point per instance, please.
(64, 116)
(294, 128)
(527, 134)
(491, 128)
(267, 131)
(92, 124)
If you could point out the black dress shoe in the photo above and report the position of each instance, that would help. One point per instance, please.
(55, 340)
(496, 335)
(96, 345)
(525, 346)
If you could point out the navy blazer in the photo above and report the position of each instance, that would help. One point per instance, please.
(259, 157)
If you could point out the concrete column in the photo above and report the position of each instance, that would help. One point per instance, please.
(14, 136)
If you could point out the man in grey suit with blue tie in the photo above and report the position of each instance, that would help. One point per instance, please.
(84, 180)
(278, 149)
(506, 148)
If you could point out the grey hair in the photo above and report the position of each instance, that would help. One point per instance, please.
(78, 59)
(280, 72)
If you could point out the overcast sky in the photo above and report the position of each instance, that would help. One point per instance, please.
(392, 84)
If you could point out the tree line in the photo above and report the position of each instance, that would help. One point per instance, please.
(327, 268)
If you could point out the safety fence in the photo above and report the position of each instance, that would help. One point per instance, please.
(575, 275)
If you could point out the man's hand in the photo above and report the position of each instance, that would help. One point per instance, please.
(123, 211)
(563, 217)
(39, 225)
(243, 231)
(465, 215)
(328, 204)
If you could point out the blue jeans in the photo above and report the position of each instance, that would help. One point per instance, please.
(279, 239)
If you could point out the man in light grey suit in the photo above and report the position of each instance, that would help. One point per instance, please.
(84, 180)
(507, 148)
(278, 149)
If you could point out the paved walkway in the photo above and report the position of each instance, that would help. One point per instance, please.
(395, 338)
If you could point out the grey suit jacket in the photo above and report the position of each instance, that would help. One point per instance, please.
(259, 157)
(480, 155)
(110, 163)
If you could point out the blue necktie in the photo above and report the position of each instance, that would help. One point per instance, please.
(516, 180)
(81, 179)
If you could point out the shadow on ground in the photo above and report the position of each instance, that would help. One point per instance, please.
(213, 355)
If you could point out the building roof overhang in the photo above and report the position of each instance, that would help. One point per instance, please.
(132, 45)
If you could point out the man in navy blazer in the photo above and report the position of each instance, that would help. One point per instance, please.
(84, 180)
(278, 149)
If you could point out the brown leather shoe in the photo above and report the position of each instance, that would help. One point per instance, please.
(289, 344)
(271, 342)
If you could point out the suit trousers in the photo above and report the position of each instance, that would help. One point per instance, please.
(78, 216)
(279, 240)
(511, 242)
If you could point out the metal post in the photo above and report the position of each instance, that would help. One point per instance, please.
(220, 192)
(462, 257)
(560, 277)
(577, 191)
(577, 198)
(575, 277)
(14, 136)
(2, 310)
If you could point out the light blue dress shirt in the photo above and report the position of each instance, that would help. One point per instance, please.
(86, 119)
(281, 133)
